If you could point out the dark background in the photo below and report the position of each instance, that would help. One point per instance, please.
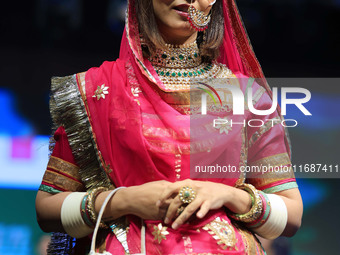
(45, 38)
(300, 38)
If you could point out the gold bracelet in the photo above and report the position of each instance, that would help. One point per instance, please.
(92, 195)
(256, 209)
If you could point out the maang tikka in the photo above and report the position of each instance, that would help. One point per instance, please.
(198, 20)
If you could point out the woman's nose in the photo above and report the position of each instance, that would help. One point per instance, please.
(203, 3)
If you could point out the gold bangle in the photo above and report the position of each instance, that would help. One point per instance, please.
(92, 195)
(255, 211)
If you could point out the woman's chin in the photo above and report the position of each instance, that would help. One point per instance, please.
(185, 29)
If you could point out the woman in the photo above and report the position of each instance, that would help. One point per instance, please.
(130, 123)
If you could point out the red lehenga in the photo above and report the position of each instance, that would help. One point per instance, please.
(117, 125)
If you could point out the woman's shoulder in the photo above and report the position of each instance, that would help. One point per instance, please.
(108, 69)
(71, 94)
(221, 71)
(108, 72)
(243, 81)
(246, 82)
(70, 88)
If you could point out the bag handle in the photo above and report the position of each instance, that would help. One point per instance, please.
(99, 218)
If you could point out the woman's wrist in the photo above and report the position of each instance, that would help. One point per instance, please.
(238, 201)
(117, 207)
(125, 206)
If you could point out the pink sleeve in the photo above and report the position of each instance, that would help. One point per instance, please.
(268, 156)
(62, 172)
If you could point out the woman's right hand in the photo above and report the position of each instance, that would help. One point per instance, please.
(137, 200)
(143, 199)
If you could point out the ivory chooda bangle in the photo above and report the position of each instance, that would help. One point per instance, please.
(277, 220)
(71, 217)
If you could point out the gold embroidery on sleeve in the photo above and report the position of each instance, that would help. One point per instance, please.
(62, 181)
(274, 160)
(273, 168)
(266, 127)
(63, 166)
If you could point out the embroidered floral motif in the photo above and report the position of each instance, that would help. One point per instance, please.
(224, 125)
(135, 91)
(187, 244)
(101, 91)
(222, 232)
(159, 232)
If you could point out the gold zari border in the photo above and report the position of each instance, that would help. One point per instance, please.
(62, 181)
(272, 175)
(63, 166)
(274, 160)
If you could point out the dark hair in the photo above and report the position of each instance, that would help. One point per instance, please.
(151, 37)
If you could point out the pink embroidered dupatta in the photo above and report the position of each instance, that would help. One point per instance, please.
(141, 137)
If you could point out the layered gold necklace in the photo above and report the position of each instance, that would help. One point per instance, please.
(178, 65)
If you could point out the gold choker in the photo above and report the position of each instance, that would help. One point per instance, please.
(177, 56)
(178, 65)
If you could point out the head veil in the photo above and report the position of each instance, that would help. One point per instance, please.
(236, 51)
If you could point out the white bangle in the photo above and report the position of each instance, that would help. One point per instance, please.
(277, 219)
(71, 219)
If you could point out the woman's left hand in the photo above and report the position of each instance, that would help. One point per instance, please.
(209, 196)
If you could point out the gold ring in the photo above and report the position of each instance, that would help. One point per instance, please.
(180, 210)
(187, 194)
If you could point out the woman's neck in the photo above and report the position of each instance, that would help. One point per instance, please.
(179, 40)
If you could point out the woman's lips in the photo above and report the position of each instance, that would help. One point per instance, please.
(181, 13)
(182, 10)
